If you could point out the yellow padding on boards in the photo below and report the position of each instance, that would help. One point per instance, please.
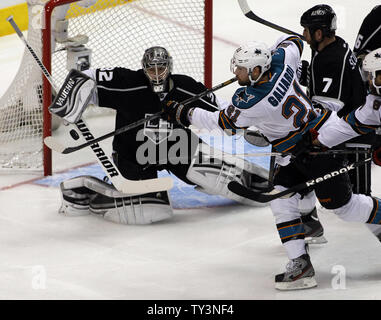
(76, 10)
(20, 15)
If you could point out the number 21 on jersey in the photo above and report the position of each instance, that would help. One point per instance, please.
(293, 106)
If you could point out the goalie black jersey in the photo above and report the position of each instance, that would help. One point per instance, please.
(130, 94)
(333, 73)
(369, 35)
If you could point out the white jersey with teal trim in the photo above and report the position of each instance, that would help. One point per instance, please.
(360, 121)
(370, 112)
(276, 107)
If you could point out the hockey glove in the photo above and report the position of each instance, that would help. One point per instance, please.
(318, 106)
(176, 112)
(73, 97)
(305, 145)
(376, 156)
(302, 72)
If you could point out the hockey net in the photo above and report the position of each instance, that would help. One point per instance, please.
(107, 33)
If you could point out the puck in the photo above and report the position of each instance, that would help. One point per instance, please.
(74, 134)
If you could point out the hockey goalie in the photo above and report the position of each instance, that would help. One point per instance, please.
(135, 94)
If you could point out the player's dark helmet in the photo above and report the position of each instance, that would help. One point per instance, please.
(320, 17)
(157, 65)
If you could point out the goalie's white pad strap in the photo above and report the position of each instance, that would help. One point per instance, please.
(133, 210)
(95, 185)
(208, 151)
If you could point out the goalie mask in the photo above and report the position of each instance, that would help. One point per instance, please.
(157, 66)
(371, 68)
(251, 55)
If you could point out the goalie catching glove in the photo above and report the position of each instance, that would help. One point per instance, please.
(176, 112)
(73, 97)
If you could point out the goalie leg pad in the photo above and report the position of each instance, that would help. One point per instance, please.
(85, 194)
(142, 209)
(77, 192)
(213, 175)
(75, 197)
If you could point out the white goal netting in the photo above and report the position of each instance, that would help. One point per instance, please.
(109, 33)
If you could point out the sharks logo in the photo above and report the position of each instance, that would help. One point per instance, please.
(157, 130)
(243, 96)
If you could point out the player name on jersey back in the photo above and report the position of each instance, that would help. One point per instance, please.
(282, 87)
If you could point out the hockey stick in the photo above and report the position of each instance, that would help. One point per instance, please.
(21, 36)
(250, 14)
(239, 189)
(311, 153)
(55, 145)
(129, 187)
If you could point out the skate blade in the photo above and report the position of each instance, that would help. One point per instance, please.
(304, 283)
(315, 240)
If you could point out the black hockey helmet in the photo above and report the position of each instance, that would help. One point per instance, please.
(320, 17)
(157, 66)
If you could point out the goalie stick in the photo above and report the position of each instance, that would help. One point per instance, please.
(129, 187)
(250, 14)
(55, 144)
(240, 190)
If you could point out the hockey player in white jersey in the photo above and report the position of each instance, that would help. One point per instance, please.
(272, 100)
(362, 120)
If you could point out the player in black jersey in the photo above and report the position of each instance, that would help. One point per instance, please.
(331, 76)
(369, 39)
(141, 152)
(369, 35)
(332, 72)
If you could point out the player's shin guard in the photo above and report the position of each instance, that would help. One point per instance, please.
(142, 209)
(312, 226)
(289, 224)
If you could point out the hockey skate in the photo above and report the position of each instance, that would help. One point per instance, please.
(299, 275)
(313, 228)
